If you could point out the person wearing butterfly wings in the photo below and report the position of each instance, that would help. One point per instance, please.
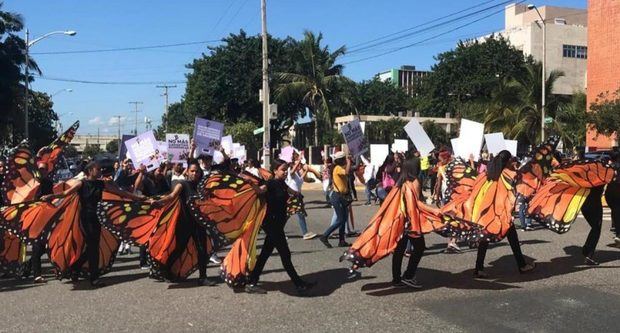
(90, 191)
(273, 226)
(491, 205)
(188, 228)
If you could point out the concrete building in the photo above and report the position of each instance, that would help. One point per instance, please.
(566, 41)
(80, 141)
(603, 59)
(405, 77)
(448, 124)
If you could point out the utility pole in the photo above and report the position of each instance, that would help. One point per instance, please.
(266, 125)
(26, 83)
(165, 94)
(135, 131)
(119, 129)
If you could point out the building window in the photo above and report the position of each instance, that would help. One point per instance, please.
(574, 51)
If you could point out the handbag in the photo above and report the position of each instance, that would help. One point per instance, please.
(387, 181)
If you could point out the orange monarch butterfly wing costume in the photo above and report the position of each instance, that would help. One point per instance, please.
(531, 176)
(21, 181)
(158, 228)
(382, 234)
(232, 211)
(559, 200)
(460, 179)
(491, 204)
(10, 247)
(50, 154)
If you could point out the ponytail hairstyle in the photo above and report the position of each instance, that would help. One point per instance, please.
(497, 164)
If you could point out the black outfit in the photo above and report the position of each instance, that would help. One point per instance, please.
(189, 228)
(612, 196)
(90, 195)
(397, 258)
(351, 179)
(273, 225)
(592, 211)
(513, 239)
(38, 248)
(152, 187)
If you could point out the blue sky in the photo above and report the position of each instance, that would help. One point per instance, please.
(118, 24)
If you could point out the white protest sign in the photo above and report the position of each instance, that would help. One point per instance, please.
(458, 148)
(286, 154)
(471, 136)
(378, 153)
(419, 137)
(400, 146)
(511, 146)
(354, 137)
(363, 125)
(144, 150)
(227, 144)
(495, 142)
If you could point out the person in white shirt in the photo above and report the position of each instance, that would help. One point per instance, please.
(295, 180)
(369, 180)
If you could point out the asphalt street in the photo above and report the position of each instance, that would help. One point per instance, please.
(561, 295)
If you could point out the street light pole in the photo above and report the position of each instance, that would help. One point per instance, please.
(27, 62)
(165, 87)
(266, 127)
(544, 71)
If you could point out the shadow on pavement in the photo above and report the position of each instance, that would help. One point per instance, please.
(432, 279)
(327, 282)
(109, 281)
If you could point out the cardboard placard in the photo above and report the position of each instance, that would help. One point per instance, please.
(178, 147)
(418, 136)
(378, 153)
(144, 150)
(207, 135)
(354, 137)
(495, 142)
(470, 138)
(400, 146)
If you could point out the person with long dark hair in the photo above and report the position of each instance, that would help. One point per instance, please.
(273, 226)
(499, 183)
(339, 199)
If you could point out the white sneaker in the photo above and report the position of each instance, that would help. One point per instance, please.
(215, 259)
(309, 235)
(617, 241)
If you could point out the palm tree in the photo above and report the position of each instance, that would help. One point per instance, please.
(12, 50)
(527, 113)
(316, 79)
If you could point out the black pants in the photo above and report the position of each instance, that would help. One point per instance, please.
(199, 235)
(143, 255)
(592, 211)
(92, 235)
(275, 239)
(612, 196)
(397, 258)
(513, 239)
(352, 187)
(38, 248)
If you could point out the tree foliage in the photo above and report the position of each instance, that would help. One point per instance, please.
(385, 131)
(91, 150)
(604, 116)
(381, 98)
(112, 146)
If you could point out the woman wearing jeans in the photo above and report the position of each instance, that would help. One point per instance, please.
(340, 173)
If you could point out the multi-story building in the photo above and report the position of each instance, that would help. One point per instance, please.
(80, 141)
(603, 60)
(566, 41)
(405, 77)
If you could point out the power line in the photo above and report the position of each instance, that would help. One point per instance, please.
(434, 26)
(109, 82)
(427, 39)
(420, 25)
(135, 48)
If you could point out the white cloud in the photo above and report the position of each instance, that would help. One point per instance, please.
(95, 121)
(114, 120)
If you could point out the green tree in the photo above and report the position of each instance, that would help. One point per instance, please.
(12, 50)
(381, 98)
(70, 151)
(604, 115)
(91, 150)
(314, 82)
(571, 121)
(468, 73)
(385, 131)
(436, 133)
(243, 132)
(112, 146)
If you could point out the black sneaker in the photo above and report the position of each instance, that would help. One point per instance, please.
(325, 242)
(97, 283)
(39, 279)
(353, 274)
(206, 282)
(591, 262)
(412, 282)
(254, 289)
(481, 275)
(398, 284)
(304, 287)
(343, 244)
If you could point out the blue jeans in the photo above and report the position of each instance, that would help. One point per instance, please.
(341, 208)
(301, 218)
(525, 220)
(369, 195)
